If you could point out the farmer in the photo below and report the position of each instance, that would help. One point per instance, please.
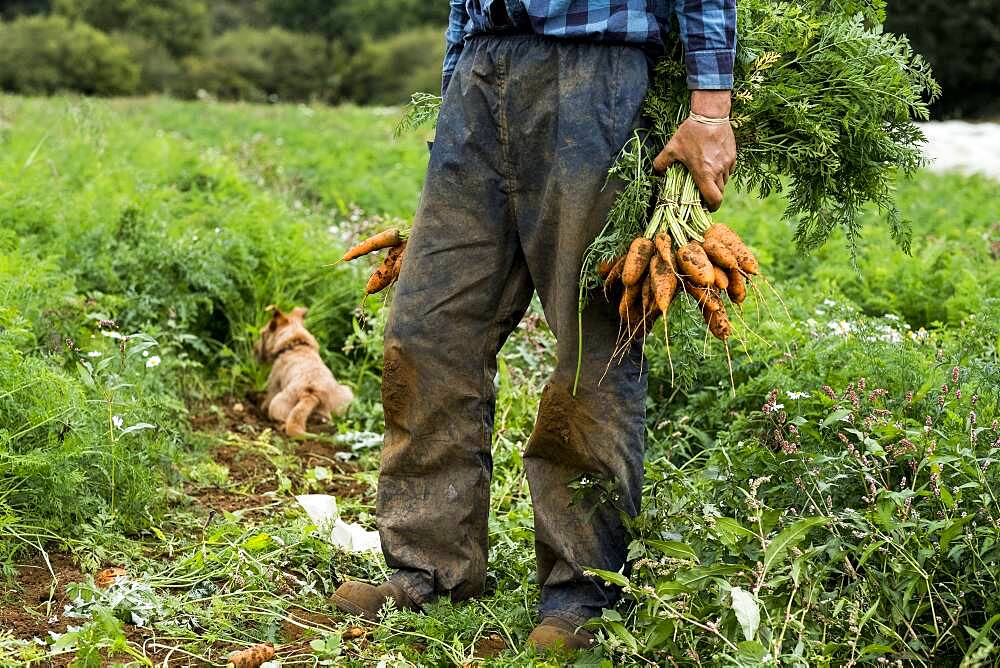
(539, 98)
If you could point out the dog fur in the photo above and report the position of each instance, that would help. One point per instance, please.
(300, 385)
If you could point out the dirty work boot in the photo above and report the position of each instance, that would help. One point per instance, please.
(555, 633)
(365, 600)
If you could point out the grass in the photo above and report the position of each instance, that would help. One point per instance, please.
(142, 230)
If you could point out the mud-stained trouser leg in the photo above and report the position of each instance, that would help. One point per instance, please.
(515, 193)
(463, 288)
(585, 102)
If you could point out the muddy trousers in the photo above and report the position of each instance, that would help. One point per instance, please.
(515, 192)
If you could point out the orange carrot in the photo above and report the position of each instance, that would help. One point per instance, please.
(606, 267)
(252, 657)
(398, 264)
(721, 279)
(737, 289)
(718, 323)
(637, 260)
(386, 239)
(386, 272)
(630, 307)
(663, 280)
(705, 297)
(665, 247)
(732, 241)
(719, 253)
(694, 265)
(613, 274)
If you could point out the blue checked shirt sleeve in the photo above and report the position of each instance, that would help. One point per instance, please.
(454, 39)
(708, 32)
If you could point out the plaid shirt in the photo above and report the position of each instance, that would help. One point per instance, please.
(707, 29)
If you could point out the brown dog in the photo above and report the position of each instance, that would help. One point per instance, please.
(300, 385)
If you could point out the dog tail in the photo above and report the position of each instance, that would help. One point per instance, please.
(295, 425)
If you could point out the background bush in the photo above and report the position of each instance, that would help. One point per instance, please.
(388, 71)
(275, 64)
(44, 55)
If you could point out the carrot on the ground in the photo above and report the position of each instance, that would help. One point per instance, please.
(694, 265)
(637, 260)
(253, 657)
(386, 239)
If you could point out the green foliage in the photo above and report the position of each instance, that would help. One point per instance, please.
(45, 55)
(179, 25)
(261, 65)
(784, 532)
(349, 23)
(862, 520)
(958, 38)
(388, 71)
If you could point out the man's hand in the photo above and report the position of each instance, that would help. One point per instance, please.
(708, 151)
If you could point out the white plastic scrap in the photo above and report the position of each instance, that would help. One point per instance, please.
(322, 510)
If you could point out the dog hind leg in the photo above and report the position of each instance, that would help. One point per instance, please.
(295, 425)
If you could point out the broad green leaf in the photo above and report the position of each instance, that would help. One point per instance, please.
(835, 416)
(747, 611)
(673, 548)
(752, 650)
(953, 530)
(611, 576)
(257, 543)
(730, 530)
(792, 535)
(699, 575)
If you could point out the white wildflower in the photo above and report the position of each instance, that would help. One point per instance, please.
(840, 327)
(795, 396)
(117, 421)
(153, 361)
(94, 353)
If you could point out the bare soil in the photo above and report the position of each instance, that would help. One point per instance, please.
(37, 595)
(252, 474)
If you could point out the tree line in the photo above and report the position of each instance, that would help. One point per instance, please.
(372, 52)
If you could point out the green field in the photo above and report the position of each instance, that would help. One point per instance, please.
(844, 486)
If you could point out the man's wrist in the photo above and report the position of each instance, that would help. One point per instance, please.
(711, 103)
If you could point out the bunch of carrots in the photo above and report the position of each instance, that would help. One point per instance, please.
(681, 250)
(387, 272)
(652, 273)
